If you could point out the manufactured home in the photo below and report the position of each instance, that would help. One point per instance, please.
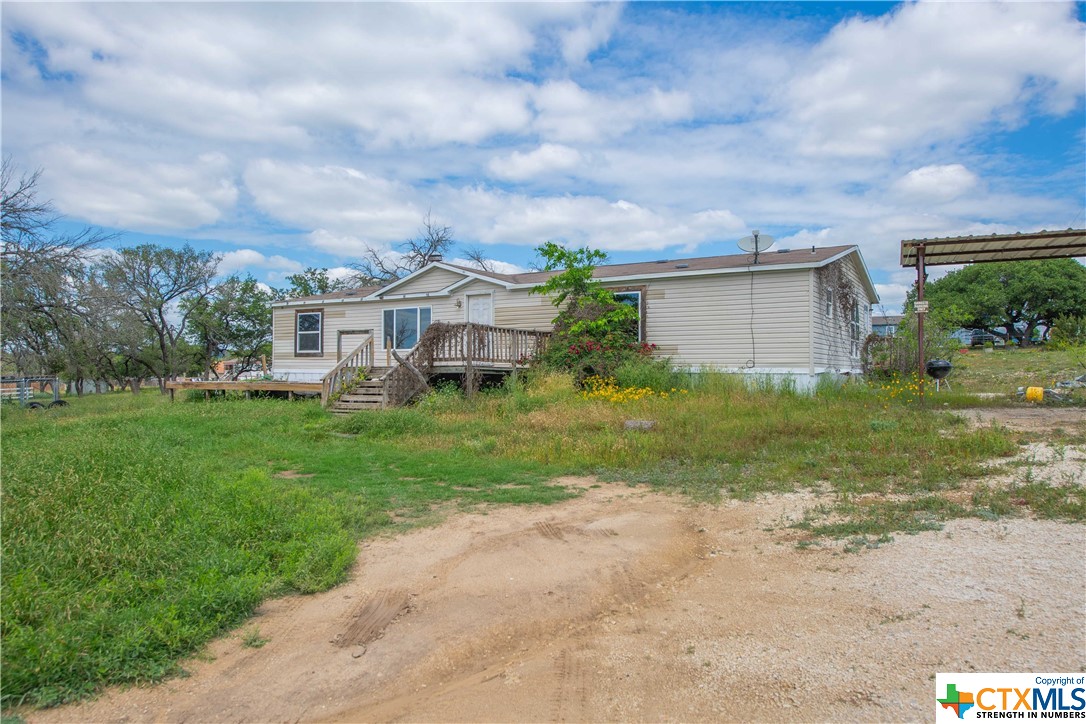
(800, 313)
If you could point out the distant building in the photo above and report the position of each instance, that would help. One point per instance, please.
(885, 325)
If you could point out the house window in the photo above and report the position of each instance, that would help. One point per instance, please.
(829, 303)
(633, 299)
(308, 333)
(854, 330)
(403, 327)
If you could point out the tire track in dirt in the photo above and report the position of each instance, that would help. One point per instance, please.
(549, 530)
(628, 605)
(370, 618)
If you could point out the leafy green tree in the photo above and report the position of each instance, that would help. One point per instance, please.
(1012, 299)
(234, 321)
(163, 287)
(1068, 332)
(593, 333)
(311, 282)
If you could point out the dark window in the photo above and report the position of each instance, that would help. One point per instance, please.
(632, 299)
(855, 327)
(403, 327)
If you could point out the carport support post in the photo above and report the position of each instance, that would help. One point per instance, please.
(920, 318)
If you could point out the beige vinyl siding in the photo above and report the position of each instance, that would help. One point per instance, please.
(700, 321)
(706, 321)
(513, 308)
(523, 310)
(832, 343)
(336, 317)
(346, 316)
(477, 287)
(433, 280)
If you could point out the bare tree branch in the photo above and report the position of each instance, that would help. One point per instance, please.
(478, 259)
(41, 311)
(409, 256)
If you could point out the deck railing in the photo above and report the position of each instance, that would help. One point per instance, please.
(355, 366)
(467, 344)
(485, 344)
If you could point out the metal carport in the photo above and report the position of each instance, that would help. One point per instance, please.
(922, 253)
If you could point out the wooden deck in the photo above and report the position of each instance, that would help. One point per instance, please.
(209, 386)
(359, 382)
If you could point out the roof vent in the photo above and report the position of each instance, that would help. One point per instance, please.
(783, 251)
(661, 261)
(812, 249)
(432, 258)
(682, 266)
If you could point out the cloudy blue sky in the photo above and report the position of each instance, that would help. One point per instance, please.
(289, 135)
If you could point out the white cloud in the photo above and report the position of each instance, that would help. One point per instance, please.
(243, 259)
(933, 70)
(582, 38)
(345, 208)
(547, 158)
(806, 237)
(113, 191)
(629, 128)
(589, 220)
(936, 183)
(568, 112)
(339, 273)
(891, 297)
(339, 245)
(290, 73)
(495, 265)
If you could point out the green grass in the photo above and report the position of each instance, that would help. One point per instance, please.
(724, 439)
(1006, 369)
(252, 639)
(135, 530)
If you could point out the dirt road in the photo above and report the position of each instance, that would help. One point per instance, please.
(628, 605)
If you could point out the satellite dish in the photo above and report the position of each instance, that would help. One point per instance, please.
(756, 243)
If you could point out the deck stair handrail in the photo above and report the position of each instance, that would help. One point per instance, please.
(466, 344)
(352, 368)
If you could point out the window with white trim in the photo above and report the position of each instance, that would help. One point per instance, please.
(829, 303)
(308, 333)
(403, 327)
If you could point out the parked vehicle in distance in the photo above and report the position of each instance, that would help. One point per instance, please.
(979, 339)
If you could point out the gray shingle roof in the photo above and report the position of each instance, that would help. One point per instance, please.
(669, 266)
(769, 259)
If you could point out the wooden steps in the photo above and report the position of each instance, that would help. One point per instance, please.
(366, 395)
(452, 348)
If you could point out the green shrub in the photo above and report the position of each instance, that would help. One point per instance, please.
(443, 397)
(1067, 332)
(655, 374)
(594, 332)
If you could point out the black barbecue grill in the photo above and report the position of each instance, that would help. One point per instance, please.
(938, 369)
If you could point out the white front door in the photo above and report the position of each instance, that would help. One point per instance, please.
(481, 309)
